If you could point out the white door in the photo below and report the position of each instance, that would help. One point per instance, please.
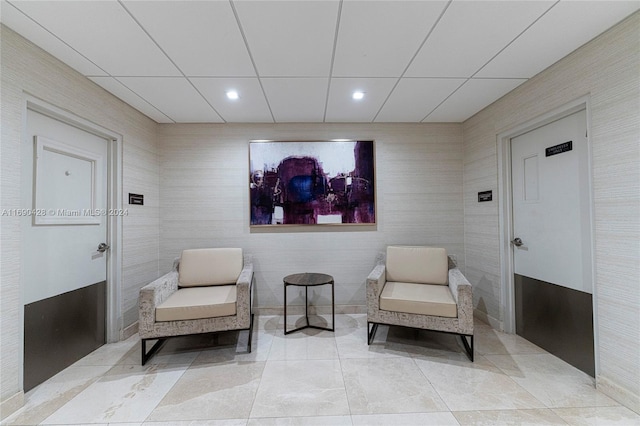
(551, 203)
(553, 281)
(64, 202)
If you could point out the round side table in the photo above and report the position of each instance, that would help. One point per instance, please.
(306, 280)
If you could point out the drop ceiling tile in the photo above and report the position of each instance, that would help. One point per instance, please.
(563, 29)
(414, 98)
(250, 107)
(343, 108)
(20, 23)
(175, 97)
(290, 38)
(203, 40)
(116, 88)
(475, 95)
(470, 33)
(296, 99)
(379, 38)
(103, 32)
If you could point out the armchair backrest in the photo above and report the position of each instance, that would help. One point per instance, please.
(212, 266)
(417, 264)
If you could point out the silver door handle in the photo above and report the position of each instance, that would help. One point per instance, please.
(517, 242)
(102, 247)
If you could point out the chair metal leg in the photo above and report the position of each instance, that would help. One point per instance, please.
(467, 348)
(250, 334)
(147, 356)
(371, 332)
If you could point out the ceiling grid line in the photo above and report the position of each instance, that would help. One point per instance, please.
(170, 60)
(89, 60)
(54, 35)
(300, 61)
(515, 38)
(489, 61)
(253, 62)
(142, 98)
(333, 58)
(433, 27)
(444, 100)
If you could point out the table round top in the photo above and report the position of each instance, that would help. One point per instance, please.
(308, 279)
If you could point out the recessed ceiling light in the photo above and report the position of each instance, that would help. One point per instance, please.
(232, 94)
(357, 95)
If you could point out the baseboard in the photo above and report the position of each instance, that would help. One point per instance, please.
(620, 394)
(299, 310)
(11, 405)
(130, 331)
(488, 319)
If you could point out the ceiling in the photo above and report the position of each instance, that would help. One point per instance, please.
(301, 60)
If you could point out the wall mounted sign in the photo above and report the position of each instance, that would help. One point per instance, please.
(485, 196)
(137, 199)
(559, 149)
(312, 183)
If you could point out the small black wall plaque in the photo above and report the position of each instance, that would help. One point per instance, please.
(137, 199)
(559, 149)
(485, 196)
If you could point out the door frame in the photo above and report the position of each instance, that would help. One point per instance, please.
(113, 312)
(505, 206)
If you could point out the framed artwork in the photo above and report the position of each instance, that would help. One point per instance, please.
(312, 183)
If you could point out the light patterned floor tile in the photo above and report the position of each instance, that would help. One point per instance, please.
(493, 342)
(127, 393)
(352, 343)
(123, 352)
(508, 417)
(304, 344)
(301, 388)
(413, 419)
(229, 422)
(551, 380)
(388, 386)
(597, 416)
(46, 398)
(237, 349)
(479, 385)
(302, 421)
(320, 378)
(215, 391)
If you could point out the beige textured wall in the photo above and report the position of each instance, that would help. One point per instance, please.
(26, 69)
(204, 201)
(608, 70)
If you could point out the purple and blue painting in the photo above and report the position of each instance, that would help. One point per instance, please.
(309, 183)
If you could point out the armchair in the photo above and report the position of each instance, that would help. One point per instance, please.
(420, 287)
(208, 290)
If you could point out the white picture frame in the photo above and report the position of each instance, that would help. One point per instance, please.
(66, 184)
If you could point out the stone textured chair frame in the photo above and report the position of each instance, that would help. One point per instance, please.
(156, 292)
(460, 288)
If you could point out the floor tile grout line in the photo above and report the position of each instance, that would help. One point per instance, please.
(435, 389)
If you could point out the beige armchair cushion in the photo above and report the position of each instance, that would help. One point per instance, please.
(422, 299)
(212, 266)
(409, 264)
(198, 302)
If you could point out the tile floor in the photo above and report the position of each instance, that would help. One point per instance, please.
(322, 378)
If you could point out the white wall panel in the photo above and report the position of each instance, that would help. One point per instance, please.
(204, 201)
(607, 70)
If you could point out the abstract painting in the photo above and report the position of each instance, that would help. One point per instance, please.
(312, 183)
